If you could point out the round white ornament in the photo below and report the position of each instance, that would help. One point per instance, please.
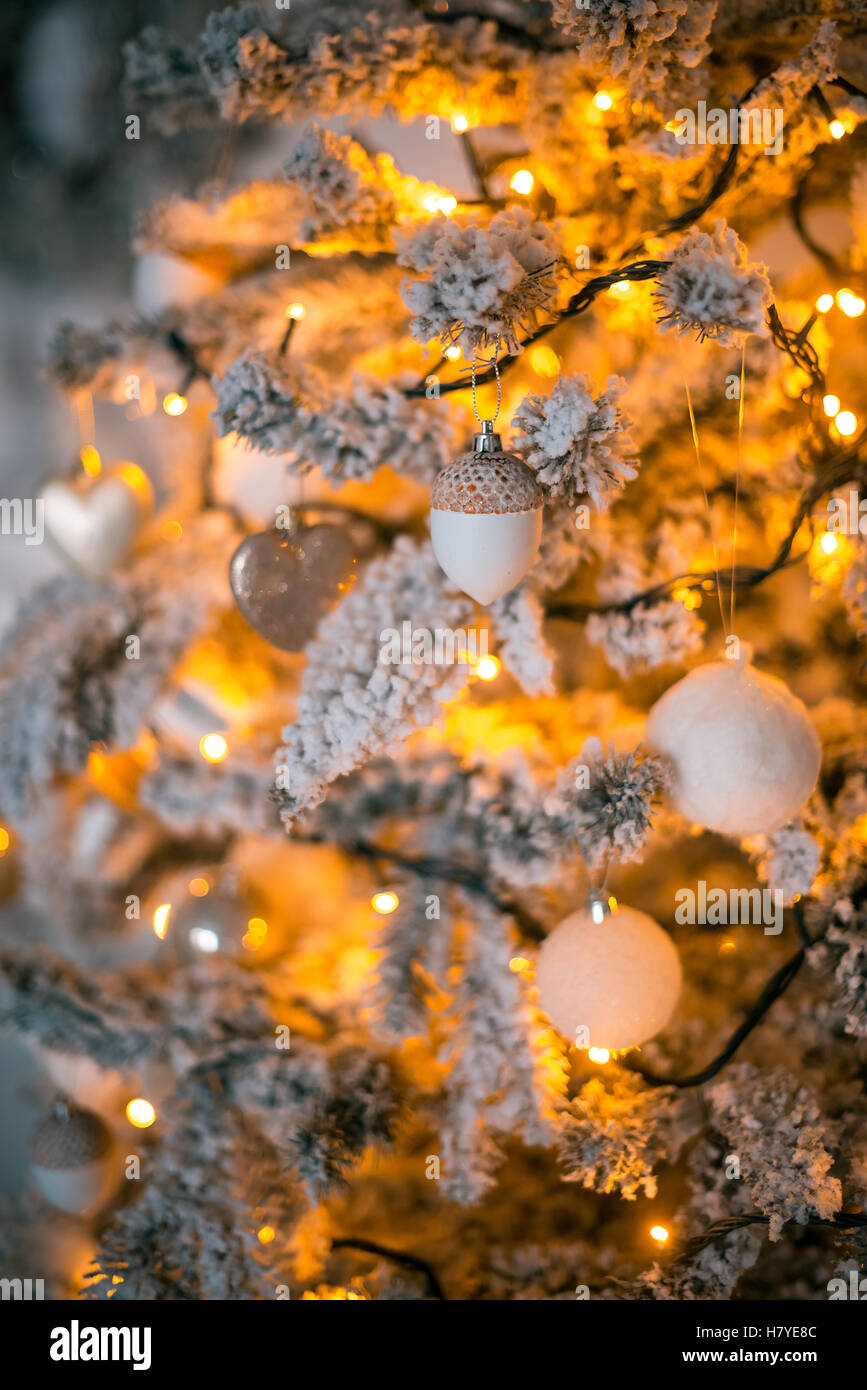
(72, 1152)
(609, 984)
(486, 519)
(95, 523)
(160, 281)
(744, 752)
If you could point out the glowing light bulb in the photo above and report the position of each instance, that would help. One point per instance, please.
(522, 181)
(161, 919)
(254, 937)
(824, 302)
(621, 287)
(199, 887)
(828, 543)
(4, 839)
(460, 123)
(831, 405)
(453, 353)
(174, 404)
(837, 129)
(140, 1112)
(603, 101)
(851, 304)
(598, 1054)
(296, 311)
(447, 204)
(384, 902)
(518, 963)
(659, 1233)
(91, 461)
(727, 948)
(488, 668)
(266, 1234)
(544, 360)
(204, 939)
(213, 748)
(846, 422)
(431, 202)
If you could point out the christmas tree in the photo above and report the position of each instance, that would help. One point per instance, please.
(439, 764)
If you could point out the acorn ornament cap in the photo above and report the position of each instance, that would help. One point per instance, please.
(608, 979)
(744, 753)
(72, 1152)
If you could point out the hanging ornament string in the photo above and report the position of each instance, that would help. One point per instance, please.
(737, 484)
(706, 504)
(493, 364)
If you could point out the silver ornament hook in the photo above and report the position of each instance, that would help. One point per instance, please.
(488, 425)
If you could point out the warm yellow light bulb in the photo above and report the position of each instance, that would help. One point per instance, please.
(518, 963)
(659, 1233)
(598, 1054)
(254, 937)
(851, 304)
(446, 204)
(213, 748)
(199, 887)
(824, 302)
(603, 101)
(4, 839)
(91, 461)
(174, 404)
(621, 287)
(431, 201)
(140, 1112)
(846, 422)
(161, 919)
(544, 360)
(522, 181)
(296, 311)
(460, 123)
(453, 353)
(384, 902)
(266, 1234)
(828, 543)
(837, 129)
(488, 668)
(831, 405)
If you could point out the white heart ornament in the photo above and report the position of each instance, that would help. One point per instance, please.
(96, 527)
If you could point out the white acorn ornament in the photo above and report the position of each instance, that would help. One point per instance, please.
(73, 1159)
(486, 518)
(95, 522)
(744, 753)
(608, 979)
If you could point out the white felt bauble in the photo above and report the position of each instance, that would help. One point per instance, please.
(744, 752)
(615, 980)
(160, 281)
(73, 1159)
(95, 523)
(486, 520)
